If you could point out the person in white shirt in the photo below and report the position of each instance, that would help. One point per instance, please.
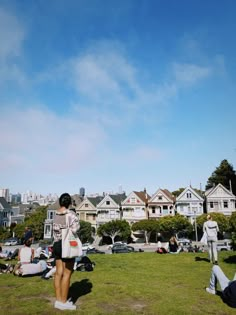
(211, 229)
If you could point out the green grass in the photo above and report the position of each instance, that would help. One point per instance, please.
(136, 283)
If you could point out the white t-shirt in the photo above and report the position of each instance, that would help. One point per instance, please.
(25, 255)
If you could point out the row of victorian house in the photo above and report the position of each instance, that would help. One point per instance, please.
(139, 205)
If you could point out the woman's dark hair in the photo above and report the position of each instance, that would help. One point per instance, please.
(28, 243)
(65, 200)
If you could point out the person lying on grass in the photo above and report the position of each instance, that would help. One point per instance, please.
(228, 287)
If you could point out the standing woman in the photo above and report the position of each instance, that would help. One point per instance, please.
(64, 266)
(211, 229)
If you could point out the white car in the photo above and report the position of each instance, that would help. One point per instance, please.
(10, 242)
(86, 246)
(224, 245)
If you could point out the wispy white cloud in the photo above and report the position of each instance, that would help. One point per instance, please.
(40, 140)
(190, 73)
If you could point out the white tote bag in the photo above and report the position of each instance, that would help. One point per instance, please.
(70, 242)
(204, 239)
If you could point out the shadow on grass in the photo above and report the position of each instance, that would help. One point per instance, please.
(80, 288)
(202, 259)
(230, 260)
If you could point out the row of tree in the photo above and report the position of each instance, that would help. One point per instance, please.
(167, 226)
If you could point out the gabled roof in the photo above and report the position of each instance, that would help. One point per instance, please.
(168, 194)
(144, 196)
(95, 200)
(4, 203)
(118, 198)
(164, 192)
(213, 189)
(193, 191)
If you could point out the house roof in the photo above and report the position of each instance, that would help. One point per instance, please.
(118, 198)
(194, 192)
(4, 203)
(95, 200)
(213, 189)
(143, 195)
(168, 194)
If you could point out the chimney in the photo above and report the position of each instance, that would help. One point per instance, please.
(230, 185)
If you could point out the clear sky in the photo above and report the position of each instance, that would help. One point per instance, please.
(98, 94)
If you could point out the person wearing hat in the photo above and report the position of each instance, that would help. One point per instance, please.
(211, 229)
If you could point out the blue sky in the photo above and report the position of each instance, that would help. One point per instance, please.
(98, 94)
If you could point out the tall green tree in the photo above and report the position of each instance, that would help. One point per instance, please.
(170, 225)
(224, 174)
(148, 227)
(115, 228)
(36, 222)
(85, 231)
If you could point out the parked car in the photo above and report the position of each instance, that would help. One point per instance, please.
(87, 246)
(224, 245)
(122, 248)
(11, 242)
(116, 243)
(94, 251)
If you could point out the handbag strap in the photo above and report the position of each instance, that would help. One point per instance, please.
(67, 221)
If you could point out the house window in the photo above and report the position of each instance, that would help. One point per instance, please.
(153, 210)
(159, 197)
(189, 195)
(50, 215)
(225, 204)
(107, 202)
(165, 207)
(86, 205)
(133, 200)
(211, 204)
(94, 216)
(47, 230)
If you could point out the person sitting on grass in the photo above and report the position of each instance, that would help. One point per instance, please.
(26, 254)
(228, 287)
(173, 246)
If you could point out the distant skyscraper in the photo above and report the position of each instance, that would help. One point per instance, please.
(82, 192)
(4, 192)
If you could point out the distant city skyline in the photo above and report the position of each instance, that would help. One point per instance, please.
(98, 94)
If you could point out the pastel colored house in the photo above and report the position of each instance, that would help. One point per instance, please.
(110, 208)
(134, 207)
(161, 204)
(87, 210)
(220, 199)
(189, 204)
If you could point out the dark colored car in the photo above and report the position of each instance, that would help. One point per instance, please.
(94, 251)
(122, 248)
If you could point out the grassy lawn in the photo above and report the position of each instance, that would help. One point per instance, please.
(135, 283)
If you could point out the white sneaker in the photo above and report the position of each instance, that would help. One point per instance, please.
(64, 306)
(211, 291)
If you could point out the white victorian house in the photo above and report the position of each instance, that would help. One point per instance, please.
(109, 208)
(220, 199)
(161, 204)
(189, 204)
(134, 207)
